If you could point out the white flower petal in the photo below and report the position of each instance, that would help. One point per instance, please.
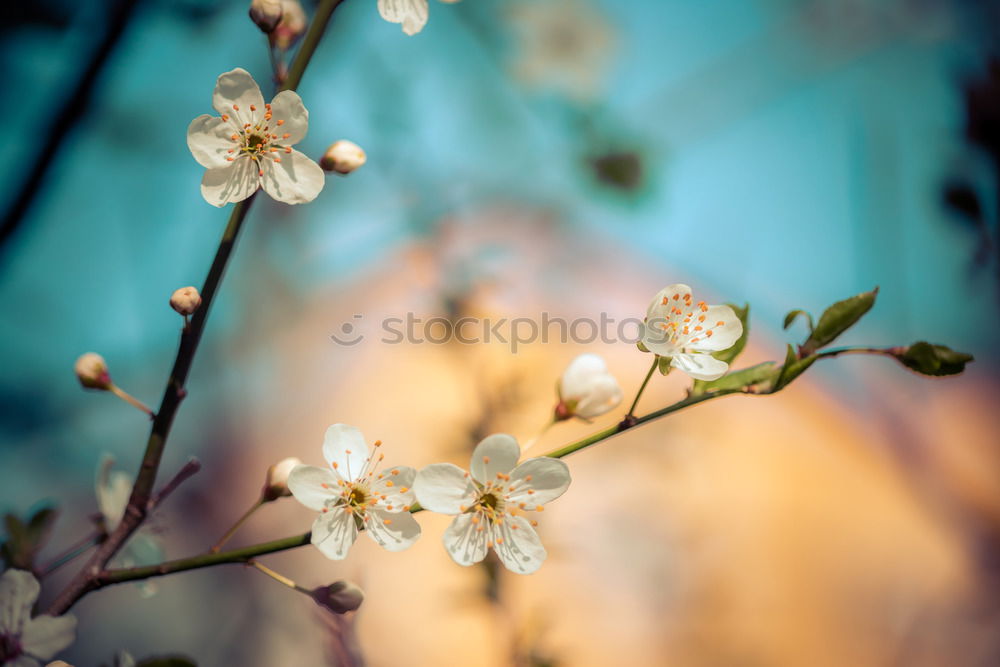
(497, 453)
(287, 107)
(210, 138)
(113, 489)
(604, 396)
(700, 366)
(235, 92)
(518, 545)
(444, 488)
(334, 532)
(345, 449)
(411, 13)
(23, 661)
(313, 486)
(230, 184)
(18, 592)
(393, 531)
(580, 374)
(664, 299)
(464, 541)
(713, 336)
(547, 479)
(396, 485)
(295, 180)
(44, 636)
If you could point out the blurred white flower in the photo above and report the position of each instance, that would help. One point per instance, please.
(343, 157)
(563, 45)
(26, 641)
(490, 502)
(352, 495)
(291, 26)
(411, 13)
(266, 14)
(587, 389)
(250, 145)
(687, 333)
(113, 489)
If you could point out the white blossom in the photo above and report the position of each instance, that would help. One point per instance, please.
(491, 501)
(412, 14)
(687, 332)
(27, 641)
(587, 389)
(351, 495)
(249, 145)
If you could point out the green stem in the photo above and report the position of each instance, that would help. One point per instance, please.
(236, 526)
(86, 579)
(642, 387)
(280, 578)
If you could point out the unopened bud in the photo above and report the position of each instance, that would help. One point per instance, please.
(291, 27)
(339, 597)
(92, 371)
(266, 14)
(276, 481)
(343, 157)
(185, 301)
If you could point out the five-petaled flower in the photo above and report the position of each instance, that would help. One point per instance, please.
(491, 502)
(352, 495)
(26, 641)
(412, 14)
(587, 389)
(687, 332)
(250, 144)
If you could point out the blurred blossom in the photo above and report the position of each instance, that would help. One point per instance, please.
(562, 45)
(491, 500)
(266, 14)
(412, 14)
(113, 489)
(587, 389)
(25, 641)
(343, 157)
(291, 27)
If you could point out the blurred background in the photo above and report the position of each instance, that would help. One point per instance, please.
(526, 156)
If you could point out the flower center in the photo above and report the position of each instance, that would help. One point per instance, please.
(10, 648)
(258, 139)
(357, 497)
(685, 322)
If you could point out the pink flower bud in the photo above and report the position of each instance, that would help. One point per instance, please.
(92, 371)
(266, 14)
(339, 597)
(276, 481)
(291, 27)
(185, 301)
(343, 157)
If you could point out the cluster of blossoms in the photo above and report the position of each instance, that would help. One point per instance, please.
(493, 500)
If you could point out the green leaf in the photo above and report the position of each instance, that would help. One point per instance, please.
(792, 315)
(25, 540)
(792, 368)
(642, 347)
(837, 319)
(41, 524)
(745, 377)
(929, 359)
(729, 354)
(663, 365)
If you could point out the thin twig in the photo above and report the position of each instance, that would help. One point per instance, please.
(189, 469)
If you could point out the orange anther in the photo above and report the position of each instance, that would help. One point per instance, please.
(701, 318)
(288, 149)
(676, 296)
(695, 340)
(665, 300)
(225, 117)
(236, 107)
(285, 135)
(719, 323)
(387, 521)
(486, 459)
(499, 540)
(281, 122)
(253, 108)
(388, 482)
(709, 333)
(404, 489)
(235, 137)
(698, 328)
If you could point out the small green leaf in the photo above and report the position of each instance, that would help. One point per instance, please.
(792, 368)
(729, 354)
(663, 365)
(25, 540)
(745, 377)
(642, 347)
(40, 526)
(792, 315)
(929, 359)
(837, 319)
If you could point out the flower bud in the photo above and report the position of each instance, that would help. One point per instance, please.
(343, 157)
(339, 597)
(587, 389)
(266, 14)
(185, 301)
(291, 27)
(276, 481)
(92, 371)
